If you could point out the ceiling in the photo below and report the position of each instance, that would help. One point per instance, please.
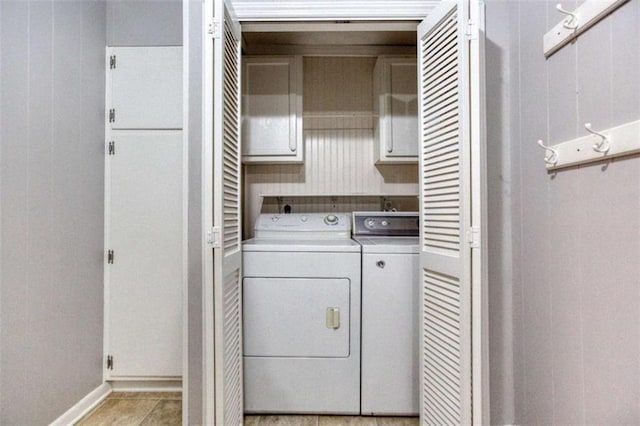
(359, 38)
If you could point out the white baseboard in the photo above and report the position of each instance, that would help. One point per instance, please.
(146, 385)
(82, 407)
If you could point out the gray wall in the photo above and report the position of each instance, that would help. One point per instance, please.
(576, 239)
(498, 85)
(144, 22)
(51, 206)
(194, 129)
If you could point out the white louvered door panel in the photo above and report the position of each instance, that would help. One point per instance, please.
(447, 201)
(226, 295)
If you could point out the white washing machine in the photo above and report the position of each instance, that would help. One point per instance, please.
(301, 315)
(390, 311)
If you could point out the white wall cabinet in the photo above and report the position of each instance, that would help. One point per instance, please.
(396, 105)
(144, 178)
(272, 109)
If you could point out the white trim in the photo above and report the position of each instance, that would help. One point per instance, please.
(107, 215)
(293, 27)
(146, 385)
(479, 263)
(185, 214)
(84, 406)
(208, 380)
(319, 10)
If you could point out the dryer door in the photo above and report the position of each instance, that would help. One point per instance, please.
(291, 317)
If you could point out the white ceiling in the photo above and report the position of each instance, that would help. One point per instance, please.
(309, 10)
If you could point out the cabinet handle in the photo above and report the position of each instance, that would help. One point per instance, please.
(389, 144)
(293, 144)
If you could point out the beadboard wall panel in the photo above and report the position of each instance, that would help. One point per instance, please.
(339, 149)
(51, 206)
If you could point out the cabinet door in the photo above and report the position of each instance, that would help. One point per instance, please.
(144, 87)
(144, 276)
(403, 108)
(398, 110)
(272, 109)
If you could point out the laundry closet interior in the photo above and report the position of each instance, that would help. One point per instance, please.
(329, 127)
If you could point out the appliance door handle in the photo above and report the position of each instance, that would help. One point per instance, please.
(333, 318)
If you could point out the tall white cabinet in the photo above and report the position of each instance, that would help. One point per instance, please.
(143, 214)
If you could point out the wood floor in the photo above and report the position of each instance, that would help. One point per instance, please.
(165, 408)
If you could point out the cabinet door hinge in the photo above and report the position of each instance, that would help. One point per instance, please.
(472, 31)
(112, 62)
(112, 115)
(473, 237)
(214, 29)
(110, 257)
(112, 148)
(109, 362)
(213, 237)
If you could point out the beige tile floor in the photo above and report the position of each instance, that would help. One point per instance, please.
(165, 408)
(137, 409)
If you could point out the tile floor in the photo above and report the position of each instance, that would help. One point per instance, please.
(165, 408)
(137, 409)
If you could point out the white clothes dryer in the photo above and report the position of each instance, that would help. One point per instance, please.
(301, 315)
(390, 311)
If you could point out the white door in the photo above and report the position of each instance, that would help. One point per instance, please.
(221, 197)
(452, 215)
(146, 87)
(143, 275)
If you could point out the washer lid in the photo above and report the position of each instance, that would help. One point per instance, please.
(382, 245)
(297, 245)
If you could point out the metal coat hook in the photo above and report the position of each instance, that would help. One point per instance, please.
(571, 21)
(604, 144)
(552, 157)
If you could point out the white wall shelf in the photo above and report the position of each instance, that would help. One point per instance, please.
(575, 22)
(621, 140)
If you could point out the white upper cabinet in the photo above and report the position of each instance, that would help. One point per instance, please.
(396, 103)
(272, 109)
(145, 88)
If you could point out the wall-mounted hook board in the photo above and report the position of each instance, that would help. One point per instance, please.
(587, 15)
(624, 140)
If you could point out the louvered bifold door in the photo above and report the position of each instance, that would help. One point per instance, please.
(227, 219)
(446, 202)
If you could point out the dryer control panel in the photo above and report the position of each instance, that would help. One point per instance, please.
(386, 223)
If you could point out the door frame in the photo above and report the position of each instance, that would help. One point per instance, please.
(480, 329)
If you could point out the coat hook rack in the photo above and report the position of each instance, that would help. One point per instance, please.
(583, 150)
(605, 141)
(571, 21)
(552, 157)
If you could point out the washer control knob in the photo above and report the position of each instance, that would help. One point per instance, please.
(384, 223)
(331, 219)
(371, 223)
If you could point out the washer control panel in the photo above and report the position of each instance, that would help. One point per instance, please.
(386, 223)
(309, 225)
